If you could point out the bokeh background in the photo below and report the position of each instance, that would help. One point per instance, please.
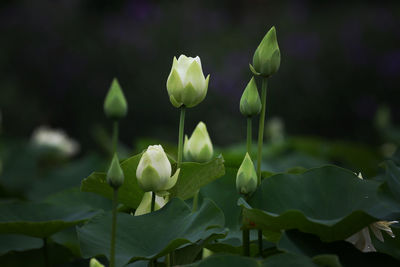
(340, 64)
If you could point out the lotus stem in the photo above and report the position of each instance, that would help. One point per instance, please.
(181, 130)
(115, 137)
(260, 145)
(113, 227)
(249, 137)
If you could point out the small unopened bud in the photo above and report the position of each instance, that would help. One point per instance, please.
(267, 58)
(115, 106)
(198, 147)
(246, 178)
(115, 175)
(250, 103)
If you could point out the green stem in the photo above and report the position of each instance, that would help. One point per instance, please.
(260, 244)
(181, 130)
(260, 145)
(261, 129)
(45, 253)
(195, 201)
(249, 137)
(115, 137)
(153, 201)
(246, 242)
(113, 227)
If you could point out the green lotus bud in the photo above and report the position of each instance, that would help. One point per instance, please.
(267, 58)
(145, 205)
(115, 106)
(154, 170)
(186, 84)
(115, 175)
(246, 178)
(199, 147)
(95, 263)
(250, 103)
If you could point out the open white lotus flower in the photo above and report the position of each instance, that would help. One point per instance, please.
(186, 83)
(154, 171)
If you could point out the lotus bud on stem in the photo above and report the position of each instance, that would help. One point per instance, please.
(198, 148)
(266, 62)
(115, 108)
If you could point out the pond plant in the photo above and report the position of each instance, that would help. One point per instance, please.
(195, 207)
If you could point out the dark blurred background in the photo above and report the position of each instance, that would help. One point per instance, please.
(340, 63)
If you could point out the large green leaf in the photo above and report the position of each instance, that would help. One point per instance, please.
(296, 242)
(151, 235)
(390, 189)
(191, 178)
(41, 219)
(284, 259)
(10, 242)
(328, 201)
(129, 193)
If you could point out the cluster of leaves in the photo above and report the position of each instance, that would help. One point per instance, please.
(305, 207)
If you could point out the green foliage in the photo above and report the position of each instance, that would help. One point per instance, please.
(191, 178)
(330, 202)
(138, 237)
(42, 219)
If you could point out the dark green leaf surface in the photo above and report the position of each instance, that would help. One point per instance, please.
(151, 235)
(299, 243)
(42, 219)
(193, 176)
(129, 193)
(279, 260)
(10, 242)
(330, 202)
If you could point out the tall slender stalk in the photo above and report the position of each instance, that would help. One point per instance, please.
(249, 137)
(260, 146)
(261, 128)
(246, 242)
(181, 130)
(115, 137)
(246, 232)
(113, 227)
(153, 201)
(45, 253)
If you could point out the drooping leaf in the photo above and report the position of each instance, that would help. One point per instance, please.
(330, 202)
(11, 242)
(152, 235)
(41, 219)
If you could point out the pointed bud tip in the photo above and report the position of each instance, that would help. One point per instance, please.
(115, 175)
(115, 105)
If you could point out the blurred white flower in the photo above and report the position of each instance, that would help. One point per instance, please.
(44, 136)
